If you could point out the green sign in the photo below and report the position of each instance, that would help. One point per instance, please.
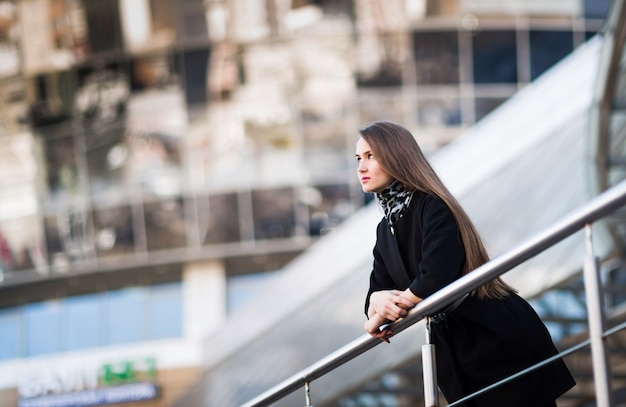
(128, 372)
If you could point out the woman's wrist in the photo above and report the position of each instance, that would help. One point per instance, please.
(408, 294)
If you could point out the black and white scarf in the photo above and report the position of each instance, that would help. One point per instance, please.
(394, 200)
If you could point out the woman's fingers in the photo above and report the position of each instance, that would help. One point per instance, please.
(383, 335)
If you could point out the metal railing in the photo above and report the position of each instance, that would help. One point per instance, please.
(600, 206)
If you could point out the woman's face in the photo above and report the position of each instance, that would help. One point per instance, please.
(372, 177)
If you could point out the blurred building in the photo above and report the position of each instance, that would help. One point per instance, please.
(159, 158)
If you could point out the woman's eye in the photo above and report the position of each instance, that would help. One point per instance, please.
(370, 156)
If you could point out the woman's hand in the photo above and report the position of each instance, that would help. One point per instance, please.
(372, 327)
(390, 304)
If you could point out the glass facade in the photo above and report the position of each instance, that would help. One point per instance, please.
(129, 315)
(141, 129)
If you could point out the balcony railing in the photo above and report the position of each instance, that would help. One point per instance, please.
(582, 219)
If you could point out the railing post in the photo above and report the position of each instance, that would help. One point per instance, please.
(597, 324)
(429, 370)
(307, 394)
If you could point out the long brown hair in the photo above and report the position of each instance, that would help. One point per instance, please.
(399, 155)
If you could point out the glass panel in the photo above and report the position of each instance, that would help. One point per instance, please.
(167, 311)
(156, 164)
(113, 231)
(21, 244)
(325, 147)
(243, 289)
(61, 162)
(68, 238)
(43, 322)
(9, 52)
(10, 334)
(55, 34)
(547, 48)
(106, 161)
(103, 16)
(329, 7)
(436, 57)
(83, 316)
(51, 98)
(273, 213)
(439, 112)
(388, 69)
(165, 224)
(153, 72)
(148, 24)
(617, 139)
(194, 66)
(102, 102)
(218, 218)
(484, 106)
(125, 317)
(328, 206)
(494, 56)
(381, 105)
(13, 114)
(324, 121)
(155, 128)
(192, 20)
(596, 8)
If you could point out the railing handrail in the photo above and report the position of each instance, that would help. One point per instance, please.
(598, 207)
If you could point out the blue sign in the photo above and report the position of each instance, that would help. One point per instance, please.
(96, 397)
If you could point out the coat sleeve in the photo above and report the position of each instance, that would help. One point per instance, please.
(380, 279)
(442, 253)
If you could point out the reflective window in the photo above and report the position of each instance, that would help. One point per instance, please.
(125, 316)
(192, 20)
(274, 213)
(57, 36)
(9, 51)
(375, 106)
(243, 289)
(596, 8)
(166, 311)
(43, 328)
(495, 57)
(439, 112)
(11, 336)
(148, 24)
(113, 231)
(103, 16)
(388, 71)
(51, 102)
(325, 147)
(69, 238)
(328, 206)
(21, 244)
(436, 57)
(165, 224)
(194, 65)
(218, 218)
(82, 322)
(547, 48)
(60, 161)
(87, 321)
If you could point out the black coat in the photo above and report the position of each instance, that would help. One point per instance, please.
(481, 341)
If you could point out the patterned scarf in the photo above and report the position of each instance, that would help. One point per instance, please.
(394, 200)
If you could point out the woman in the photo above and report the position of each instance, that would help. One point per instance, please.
(424, 242)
